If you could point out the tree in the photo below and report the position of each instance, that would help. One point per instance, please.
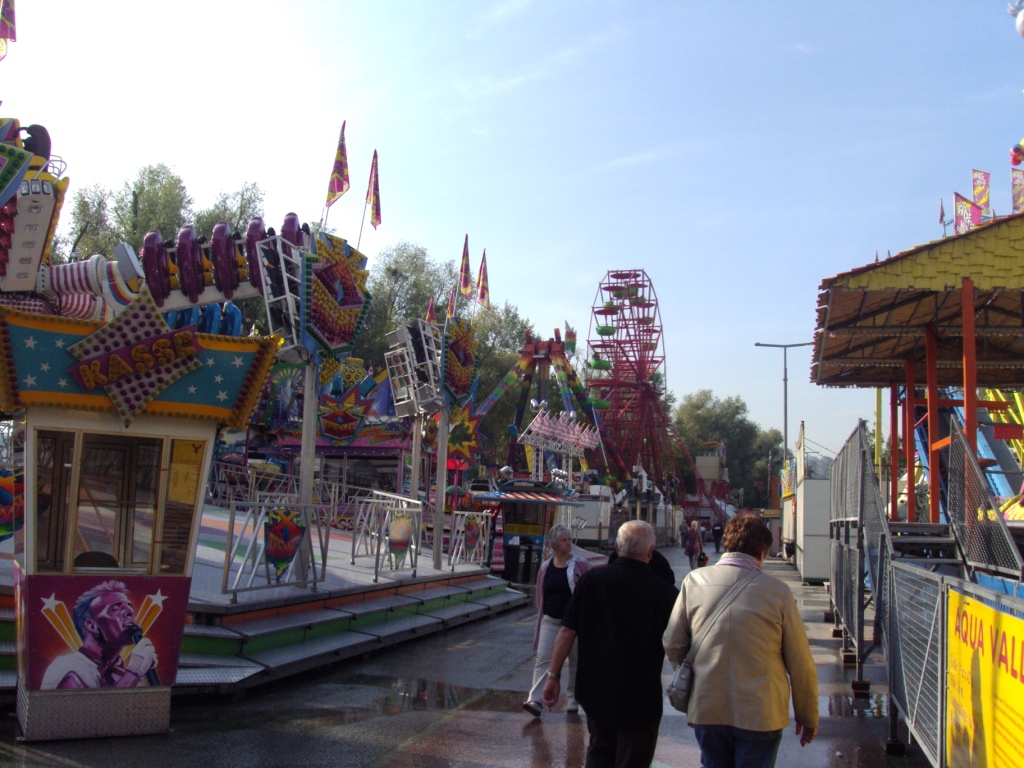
(236, 208)
(701, 417)
(91, 231)
(500, 335)
(156, 199)
(402, 281)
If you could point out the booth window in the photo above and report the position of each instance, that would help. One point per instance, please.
(55, 453)
(118, 482)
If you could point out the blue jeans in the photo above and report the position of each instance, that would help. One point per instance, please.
(724, 746)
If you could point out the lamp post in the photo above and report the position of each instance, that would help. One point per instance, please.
(785, 389)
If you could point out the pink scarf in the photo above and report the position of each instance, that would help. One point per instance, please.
(740, 560)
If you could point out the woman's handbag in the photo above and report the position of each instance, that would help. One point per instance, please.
(682, 680)
(702, 559)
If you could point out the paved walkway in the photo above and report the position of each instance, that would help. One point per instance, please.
(453, 699)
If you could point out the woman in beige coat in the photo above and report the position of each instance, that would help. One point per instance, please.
(752, 657)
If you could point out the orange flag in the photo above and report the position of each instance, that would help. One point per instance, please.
(431, 312)
(373, 193)
(338, 184)
(452, 299)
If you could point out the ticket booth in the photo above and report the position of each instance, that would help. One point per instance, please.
(529, 508)
(113, 433)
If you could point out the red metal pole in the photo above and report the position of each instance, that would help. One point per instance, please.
(908, 443)
(894, 450)
(932, 375)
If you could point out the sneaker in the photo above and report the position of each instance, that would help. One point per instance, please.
(533, 707)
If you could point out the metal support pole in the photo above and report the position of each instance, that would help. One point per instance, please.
(414, 477)
(932, 376)
(442, 483)
(908, 444)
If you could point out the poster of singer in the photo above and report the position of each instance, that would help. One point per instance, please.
(106, 631)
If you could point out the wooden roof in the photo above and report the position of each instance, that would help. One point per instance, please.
(872, 319)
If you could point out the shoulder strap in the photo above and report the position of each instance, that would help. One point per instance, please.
(719, 610)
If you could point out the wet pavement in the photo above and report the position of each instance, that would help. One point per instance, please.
(452, 700)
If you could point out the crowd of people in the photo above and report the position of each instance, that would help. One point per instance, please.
(616, 624)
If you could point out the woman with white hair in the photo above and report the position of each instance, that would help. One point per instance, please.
(556, 582)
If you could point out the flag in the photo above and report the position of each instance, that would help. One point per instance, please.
(980, 183)
(966, 214)
(1017, 178)
(465, 281)
(373, 193)
(942, 212)
(338, 185)
(451, 302)
(432, 313)
(7, 31)
(483, 291)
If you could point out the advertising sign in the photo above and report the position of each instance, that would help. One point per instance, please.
(984, 685)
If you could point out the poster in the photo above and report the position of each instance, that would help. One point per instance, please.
(984, 685)
(108, 631)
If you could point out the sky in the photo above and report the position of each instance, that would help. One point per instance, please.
(739, 153)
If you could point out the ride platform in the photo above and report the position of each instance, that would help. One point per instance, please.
(234, 641)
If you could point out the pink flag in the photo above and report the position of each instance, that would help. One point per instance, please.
(373, 193)
(338, 184)
(966, 216)
(1017, 179)
(465, 281)
(432, 312)
(7, 31)
(483, 291)
(980, 183)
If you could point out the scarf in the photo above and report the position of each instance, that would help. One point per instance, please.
(740, 560)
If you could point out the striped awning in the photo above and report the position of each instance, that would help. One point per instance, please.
(525, 497)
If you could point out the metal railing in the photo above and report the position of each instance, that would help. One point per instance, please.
(974, 517)
(262, 551)
(471, 535)
(388, 527)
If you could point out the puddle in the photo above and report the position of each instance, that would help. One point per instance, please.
(844, 705)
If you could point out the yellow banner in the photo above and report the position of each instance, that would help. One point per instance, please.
(984, 685)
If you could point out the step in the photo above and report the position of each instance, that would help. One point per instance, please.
(923, 541)
(292, 659)
(919, 529)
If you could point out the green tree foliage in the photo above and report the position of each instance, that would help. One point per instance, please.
(701, 417)
(402, 281)
(236, 208)
(156, 199)
(91, 231)
(501, 333)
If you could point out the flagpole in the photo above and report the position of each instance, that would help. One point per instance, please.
(361, 224)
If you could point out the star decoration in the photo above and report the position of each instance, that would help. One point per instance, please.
(192, 389)
(30, 381)
(44, 367)
(237, 362)
(62, 382)
(218, 379)
(222, 395)
(30, 343)
(59, 343)
(51, 602)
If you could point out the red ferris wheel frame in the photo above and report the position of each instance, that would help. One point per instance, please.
(626, 370)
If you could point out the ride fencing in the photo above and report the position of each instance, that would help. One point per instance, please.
(929, 686)
(859, 538)
(979, 528)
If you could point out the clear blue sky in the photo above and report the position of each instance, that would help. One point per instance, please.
(738, 152)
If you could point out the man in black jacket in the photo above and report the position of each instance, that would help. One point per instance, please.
(618, 614)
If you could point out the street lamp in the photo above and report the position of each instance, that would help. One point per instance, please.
(785, 390)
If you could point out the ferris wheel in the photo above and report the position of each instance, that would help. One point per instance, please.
(626, 370)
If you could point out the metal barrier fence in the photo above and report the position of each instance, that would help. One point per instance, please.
(859, 536)
(273, 546)
(389, 527)
(979, 528)
(911, 622)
